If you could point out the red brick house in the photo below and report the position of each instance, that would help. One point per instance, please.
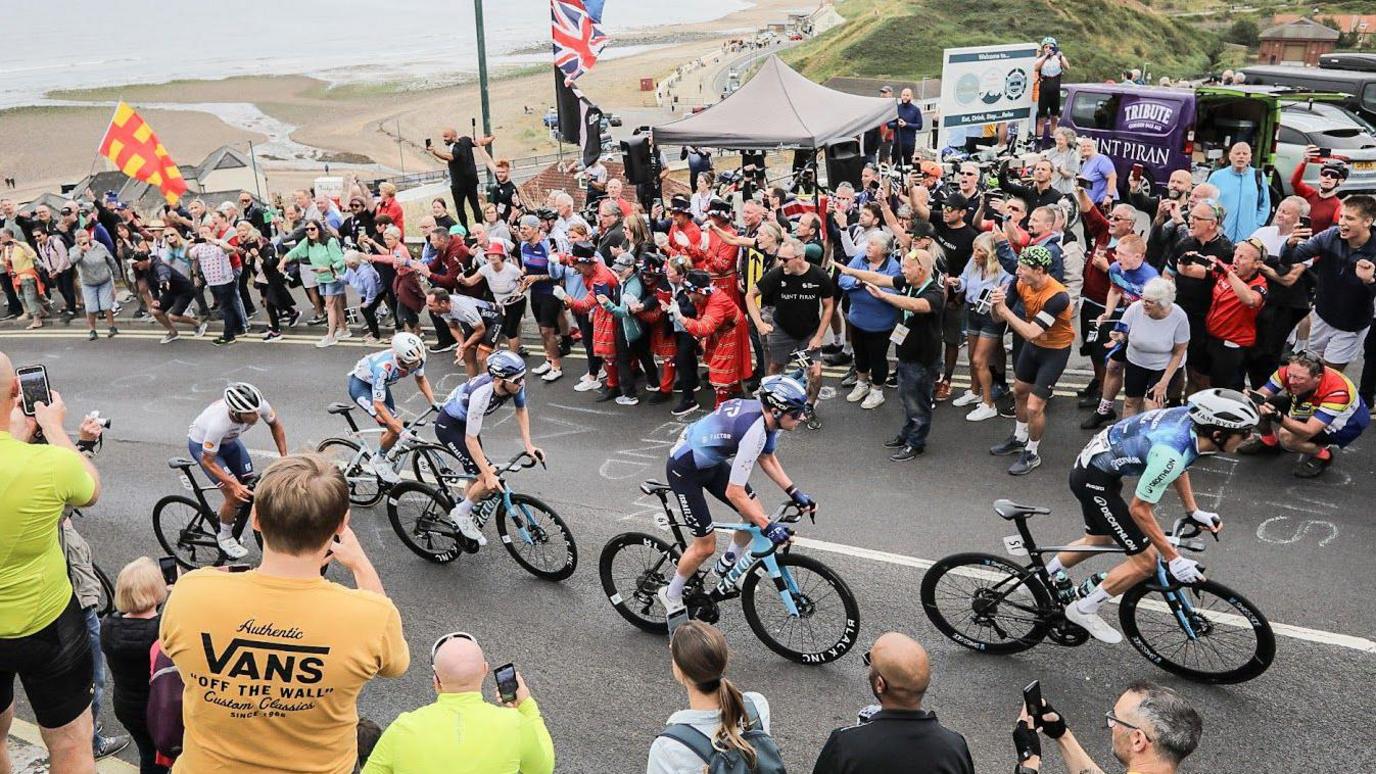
(1300, 42)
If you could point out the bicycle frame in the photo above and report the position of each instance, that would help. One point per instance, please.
(190, 484)
(368, 450)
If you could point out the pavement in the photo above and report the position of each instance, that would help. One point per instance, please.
(1299, 550)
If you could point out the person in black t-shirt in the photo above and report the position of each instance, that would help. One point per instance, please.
(1188, 265)
(457, 154)
(802, 298)
(956, 238)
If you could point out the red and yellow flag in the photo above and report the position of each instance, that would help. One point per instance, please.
(132, 145)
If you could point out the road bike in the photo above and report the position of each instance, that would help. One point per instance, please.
(813, 618)
(187, 528)
(534, 534)
(428, 462)
(1201, 631)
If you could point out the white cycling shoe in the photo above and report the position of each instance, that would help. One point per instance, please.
(1097, 627)
(671, 606)
(467, 526)
(384, 470)
(231, 547)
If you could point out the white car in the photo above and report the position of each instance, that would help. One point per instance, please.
(1337, 134)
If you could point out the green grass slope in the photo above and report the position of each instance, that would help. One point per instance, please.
(904, 38)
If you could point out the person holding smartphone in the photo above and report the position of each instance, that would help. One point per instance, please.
(1324, 202)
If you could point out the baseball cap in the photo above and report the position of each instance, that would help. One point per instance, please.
(680, 203)
(495, 247)
(530, 220)
(624, 261)
(583, 252)
(930, 168)
(956, 201)
(921, 229)
(886, 89)
(458, 230)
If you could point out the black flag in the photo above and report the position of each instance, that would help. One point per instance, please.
(580, 121)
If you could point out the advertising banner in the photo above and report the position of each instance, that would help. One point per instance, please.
(985, 85)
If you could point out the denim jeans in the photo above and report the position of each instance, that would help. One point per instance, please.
(228, 297)
(98, 659)
(915, 384)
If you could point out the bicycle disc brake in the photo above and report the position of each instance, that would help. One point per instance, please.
(1067, 633)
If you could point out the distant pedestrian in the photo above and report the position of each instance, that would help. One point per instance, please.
(457, 153)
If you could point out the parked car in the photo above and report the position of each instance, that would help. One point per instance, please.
(551, 118)
(1358, 86)
(1342, 140)
(1348, 60)
(1332, 111)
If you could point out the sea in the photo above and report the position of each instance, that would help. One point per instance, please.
(80, 44)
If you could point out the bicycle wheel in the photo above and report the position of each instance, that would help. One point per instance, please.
(537, 538)
(186, 532)
(633, 567)
(365, 488)
(828, 620)
(106, 605)
(986, 603)
(420, 516)
(1233, 641)
(435, 465)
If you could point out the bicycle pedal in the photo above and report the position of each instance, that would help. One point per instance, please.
(468, 545)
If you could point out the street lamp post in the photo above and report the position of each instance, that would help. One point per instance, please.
(482, 73)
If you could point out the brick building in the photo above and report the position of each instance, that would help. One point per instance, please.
(1300, 42)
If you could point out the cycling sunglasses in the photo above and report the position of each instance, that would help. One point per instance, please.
(450, 636)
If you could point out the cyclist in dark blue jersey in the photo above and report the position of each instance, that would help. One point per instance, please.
(460, 424)
(716, 454)
(1155, 447)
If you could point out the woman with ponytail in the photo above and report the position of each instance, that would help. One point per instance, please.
(717, 708)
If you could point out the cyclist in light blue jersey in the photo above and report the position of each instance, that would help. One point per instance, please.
(461, 422)
(716, 454)
(370, 386)
(1156, 447)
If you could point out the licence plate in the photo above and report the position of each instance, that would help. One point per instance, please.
(1365, 166)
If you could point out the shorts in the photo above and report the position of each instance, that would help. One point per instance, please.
(492, 328)
(232, 456)
(332, 289)
(1104, 510)
(99, 298)
(56, 667)
(452, 433)
(983, 325)
(1333, 345)
(362, 394)
(546, 310)
(1040, 367)
(176, 298)
(1049, 97)
(406, 316)
(1089, 312)
(952, 325)
(511, 318)
(782, 346)
(309, 279)
(1197, 353)
(1348, 433)
(1137, 381)
(689, 483)
(1222, 362)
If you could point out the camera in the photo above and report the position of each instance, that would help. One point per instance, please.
(104, 422)
(1197, 259)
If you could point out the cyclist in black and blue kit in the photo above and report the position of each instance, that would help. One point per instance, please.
(460, 424)
(716, 454)
(1156, 447)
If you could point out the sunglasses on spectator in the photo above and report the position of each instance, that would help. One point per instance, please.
(1121, 217)
(1111, 720)
(450, 636)
(68, 211)
(968, 174)
(311, 228)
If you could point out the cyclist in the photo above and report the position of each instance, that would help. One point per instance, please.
(460, 424)
(370, 386)
(1157, 447)
(716, 454)
(213, 441)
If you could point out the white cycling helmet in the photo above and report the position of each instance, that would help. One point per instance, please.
(408, 348)
(243, 398)
(1218, 407)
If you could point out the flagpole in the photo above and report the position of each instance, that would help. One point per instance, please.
(482, 76)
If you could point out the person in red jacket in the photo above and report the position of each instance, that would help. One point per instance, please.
(721, 328)
(599, 280)
(1323, 201)
(685, 238)
(723, 251)
(388, 205)
(663, 343)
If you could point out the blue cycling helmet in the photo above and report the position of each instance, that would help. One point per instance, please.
(506, 365)
(783, 393)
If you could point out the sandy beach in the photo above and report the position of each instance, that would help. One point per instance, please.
(46, 146)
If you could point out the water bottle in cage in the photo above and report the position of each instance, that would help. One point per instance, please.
(732, 579)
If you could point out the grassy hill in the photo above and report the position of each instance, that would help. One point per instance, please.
(1101, 38)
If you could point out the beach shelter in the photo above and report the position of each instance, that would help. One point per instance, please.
(777, 109)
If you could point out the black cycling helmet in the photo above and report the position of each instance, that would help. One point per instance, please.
(1335, 168)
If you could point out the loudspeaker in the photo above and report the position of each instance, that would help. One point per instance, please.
(844, 162)
(638, 158)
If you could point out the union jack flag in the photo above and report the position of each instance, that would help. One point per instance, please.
(578, 38)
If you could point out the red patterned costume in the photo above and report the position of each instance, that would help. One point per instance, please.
(721, 327)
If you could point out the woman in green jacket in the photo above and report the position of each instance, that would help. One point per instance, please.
(323, 256)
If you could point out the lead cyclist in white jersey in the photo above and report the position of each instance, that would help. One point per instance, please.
(213, 441)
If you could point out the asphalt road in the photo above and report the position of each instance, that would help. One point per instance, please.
(1300, 550)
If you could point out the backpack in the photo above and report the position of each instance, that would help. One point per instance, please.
(767, 757)
(164, 716)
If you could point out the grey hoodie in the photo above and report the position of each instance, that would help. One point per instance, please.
(94, 265)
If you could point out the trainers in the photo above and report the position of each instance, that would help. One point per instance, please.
(1007, 405)
(906, 453)
(231, 547)
(1092, 623)
(685, 406)
(272, 336)
(587, 384)
(221, 341)
(105, 746)
(1026, 463)
(1010, 446)
(1312, 466)
(317, 320)
(467, 526)
(295, 318)
(982, 412)
(450, 347)
(671, 606)
(895, 442)
(201, 328)
(874, 399)
(859, 392)
(382, 468)
(892, 380)
(605, 394)
(113, 332)
(1097, 420)
(1089, 394)
(327, 341)
(348, 334)
(1255, 445)
(542, 368)
(656, 397)
(968, 398)
(850, 379)
(943, 391)
(552, 375)
(92, 335)
(628, 400)
(169, 338)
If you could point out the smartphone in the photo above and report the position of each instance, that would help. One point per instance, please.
(1325, 152)
(428, 143)
(240, 567)
(677, 619)
(1032, 699)
(33, 387)
(1136, 171)
(1083, 182)
(505, 675)
(168, 565)
(1306, 221)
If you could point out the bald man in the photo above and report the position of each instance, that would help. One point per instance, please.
(1244, 192)
(457, 153)
(510, 737)
(902, 736)
(43, 637)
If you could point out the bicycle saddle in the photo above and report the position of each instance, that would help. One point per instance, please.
(180, 462)
(340, 408)
(1011, 510)
(653, 487)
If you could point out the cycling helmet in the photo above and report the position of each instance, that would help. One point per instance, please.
(506, 365)
(243, 398)
(1218, 407)
(1334, 168)
(408, 348)
(1036, 256)
(783, 393)
(1048, 41)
